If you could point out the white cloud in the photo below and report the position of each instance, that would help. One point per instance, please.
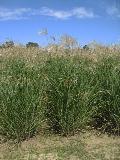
(82, 12)
(113, 11)
(79, 12)
(55, 13)
(16, 14)
(22, 13)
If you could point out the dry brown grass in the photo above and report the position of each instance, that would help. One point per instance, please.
(88, 145)
(32, 54)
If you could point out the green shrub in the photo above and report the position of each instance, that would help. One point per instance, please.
(20, 94)
(67, 86)
(106, 101)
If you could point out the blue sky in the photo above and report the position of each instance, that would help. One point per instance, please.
(86, 20)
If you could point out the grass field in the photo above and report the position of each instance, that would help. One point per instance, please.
(82, 146)
(64, 92)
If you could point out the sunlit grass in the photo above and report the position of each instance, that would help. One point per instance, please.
(66, 91)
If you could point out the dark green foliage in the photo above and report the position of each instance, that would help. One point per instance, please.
(85, 47)
(8, 44)
(32, 44)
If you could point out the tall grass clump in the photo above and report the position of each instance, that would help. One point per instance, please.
(66, 94)
(106, 98)
(20, 99)
(66, 91)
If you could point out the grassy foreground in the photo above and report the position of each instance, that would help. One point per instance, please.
(83, 146)
(60, 91)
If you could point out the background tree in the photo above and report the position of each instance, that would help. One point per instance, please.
(8, 44)
(85, 47)
(32, 44)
